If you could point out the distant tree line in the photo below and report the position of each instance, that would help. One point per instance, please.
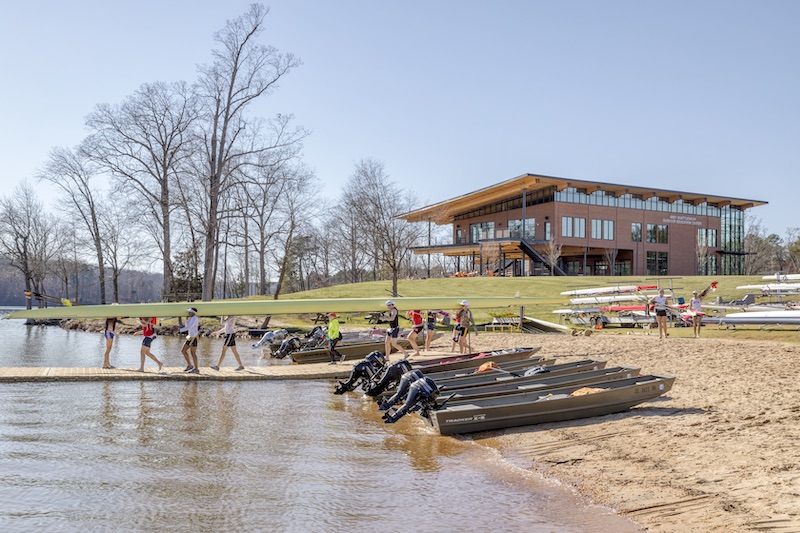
(190, 179)
(767, 253)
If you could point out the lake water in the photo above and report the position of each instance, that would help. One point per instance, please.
(241, 456)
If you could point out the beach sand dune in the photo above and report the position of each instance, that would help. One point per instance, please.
(719, 452)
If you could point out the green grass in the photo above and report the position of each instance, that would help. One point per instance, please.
(547, 292)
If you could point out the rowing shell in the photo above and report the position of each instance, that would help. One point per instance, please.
(267, 307)
(610, 290)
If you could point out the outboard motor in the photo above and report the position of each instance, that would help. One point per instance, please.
(387, 378)
(421, 395)
(271, 336)
(362, 372)
(402, 388)
(292, 344)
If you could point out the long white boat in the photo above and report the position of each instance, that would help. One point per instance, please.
(773, 288)
(781, 277)
(616, 289)
(633, 297)
(763, 318)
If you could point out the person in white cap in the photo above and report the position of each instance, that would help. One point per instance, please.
(393, 331)
(463, 322)
(192, 329)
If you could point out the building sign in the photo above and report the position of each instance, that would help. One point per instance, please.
(682, 219)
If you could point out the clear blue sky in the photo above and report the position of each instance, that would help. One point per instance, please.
(453, 96)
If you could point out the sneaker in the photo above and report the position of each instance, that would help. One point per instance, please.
(332, 363)
(341, 359)
(215, 367)
(194, 371)
(239, 368)
(189, 367)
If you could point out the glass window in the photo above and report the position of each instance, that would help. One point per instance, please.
(652, 234)
(663, 233)
(636, 232)
(547, 230)
(566, 226)
(608, 230)
(597, 229)
(481, 231)
(580, 228)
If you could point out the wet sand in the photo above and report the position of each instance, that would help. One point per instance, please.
(719, 452)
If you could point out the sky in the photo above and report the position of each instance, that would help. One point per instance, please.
(451, 95)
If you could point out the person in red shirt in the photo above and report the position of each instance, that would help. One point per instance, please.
(149, 333)
(416, 329)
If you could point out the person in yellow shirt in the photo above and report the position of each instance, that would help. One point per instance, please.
(334, 335)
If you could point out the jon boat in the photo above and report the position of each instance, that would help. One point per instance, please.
(353, 350)
(554, 405)
(538, 383)
(494, 376)
(473, 360)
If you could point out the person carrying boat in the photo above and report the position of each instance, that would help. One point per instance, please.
(109, 332)
(416, 319)
(393, 331)
(430, 329)
(463, 321)
(192, 329)
(696, 309)
(660, 303)
(334, 335)
(149, 333)
(229, 329)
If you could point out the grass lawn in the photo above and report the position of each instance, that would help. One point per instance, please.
(547, 290)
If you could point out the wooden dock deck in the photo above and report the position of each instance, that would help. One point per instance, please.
(253, 373)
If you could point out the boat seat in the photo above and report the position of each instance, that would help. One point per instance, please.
(553, 397)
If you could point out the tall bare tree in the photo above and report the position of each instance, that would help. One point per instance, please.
(145, 143)
(242, 71)
(72, 173)
(377, 202)
(27, 236)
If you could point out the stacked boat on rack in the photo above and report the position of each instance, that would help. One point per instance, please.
(779, 312)
(500, 389)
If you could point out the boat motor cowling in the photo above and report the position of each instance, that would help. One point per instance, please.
(292, 344)
(362, 372)
(422, 394)
(402, 389)
(388, 377)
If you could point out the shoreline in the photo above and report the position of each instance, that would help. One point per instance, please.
(717, 453)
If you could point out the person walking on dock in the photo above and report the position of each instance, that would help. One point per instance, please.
(192, 329)
(229, 329)
(393, 331)
(149, 333)
(109, 332)
(334, 335)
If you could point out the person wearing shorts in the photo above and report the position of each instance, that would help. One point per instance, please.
(463, 321)
(430, 329)
(192, 329)
(149, 334)
(660, 303)
(229, 330)
(417, 326)
(393, 331)
(109, 333)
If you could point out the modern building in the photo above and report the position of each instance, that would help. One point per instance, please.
(534, 225)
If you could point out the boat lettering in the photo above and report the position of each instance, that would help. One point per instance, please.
(473, 418)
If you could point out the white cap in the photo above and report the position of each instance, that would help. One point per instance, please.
(389, 302)
(192, 310)
(464, 302)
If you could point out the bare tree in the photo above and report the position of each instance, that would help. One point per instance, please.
(72, 174)
(145, 143)
(27, 236)
(377, 202)
(552, 252)
(121, 244)
(610, 255)
(242, 71)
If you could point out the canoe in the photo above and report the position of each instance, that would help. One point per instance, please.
(555, 406)
(539, 382)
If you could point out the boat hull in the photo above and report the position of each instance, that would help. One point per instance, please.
(555, 406)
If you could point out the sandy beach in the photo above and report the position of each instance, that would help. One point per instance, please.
(719, 452)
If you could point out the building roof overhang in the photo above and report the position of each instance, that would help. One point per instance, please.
(445, 212)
